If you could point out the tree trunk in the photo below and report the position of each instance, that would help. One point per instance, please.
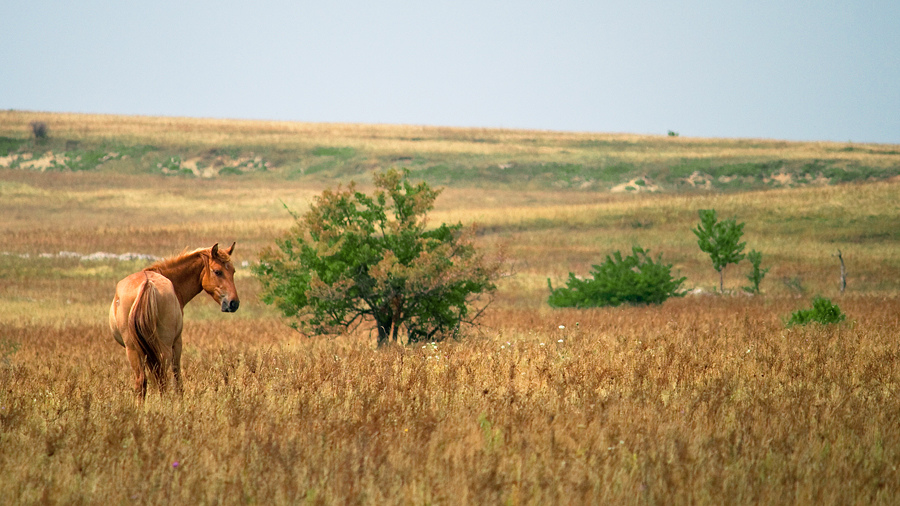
(397, 305)
(384, 332)
(722, 280)
(843, 273)
(395, 332)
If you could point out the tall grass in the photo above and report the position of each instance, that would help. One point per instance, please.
(698, 401)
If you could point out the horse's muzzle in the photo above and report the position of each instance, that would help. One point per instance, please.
(230, 306)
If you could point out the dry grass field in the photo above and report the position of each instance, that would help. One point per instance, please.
(705, 399)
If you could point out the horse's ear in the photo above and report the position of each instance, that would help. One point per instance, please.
(214, 251)
(231, 248)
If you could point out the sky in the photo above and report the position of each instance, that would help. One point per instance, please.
(774, 69)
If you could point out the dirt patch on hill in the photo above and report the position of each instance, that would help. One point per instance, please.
(636, 185)
(48, 160)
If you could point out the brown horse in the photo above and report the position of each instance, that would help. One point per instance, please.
(146, 316)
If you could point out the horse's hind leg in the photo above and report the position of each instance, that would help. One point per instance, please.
(135, 358)
(161, 371)
(176, 364)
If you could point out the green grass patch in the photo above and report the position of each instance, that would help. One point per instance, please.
(79, 160)
(757, 170)
(528, 175)
(688, 167)
(9, 145)
(857, 149)
(230, 171)
(336, 152)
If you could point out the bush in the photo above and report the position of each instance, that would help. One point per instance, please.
(823, 311)
(39, 129)
(635, 279)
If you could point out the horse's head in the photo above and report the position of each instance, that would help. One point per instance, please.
(218, 278)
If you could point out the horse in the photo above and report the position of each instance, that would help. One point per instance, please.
(146, 316)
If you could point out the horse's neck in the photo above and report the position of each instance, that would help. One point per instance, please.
(184, 273)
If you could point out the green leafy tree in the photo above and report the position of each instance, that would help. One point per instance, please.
(756, 273)
(721, 241)
(635, 279)
(354, 258)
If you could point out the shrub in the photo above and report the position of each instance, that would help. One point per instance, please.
(39, 129)
(635, 279)
(823, 311)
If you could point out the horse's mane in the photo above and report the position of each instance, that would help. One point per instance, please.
(184, 255)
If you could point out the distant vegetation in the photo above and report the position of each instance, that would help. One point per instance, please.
(440, 156)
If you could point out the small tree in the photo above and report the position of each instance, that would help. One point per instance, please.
(721, 240)
(756, 274)
(354, 258)
(635, 279)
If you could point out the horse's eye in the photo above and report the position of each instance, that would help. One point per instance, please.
(218, 272)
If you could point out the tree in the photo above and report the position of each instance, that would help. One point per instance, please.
(721, 240)
(756, 274)
(635, 279)
(355, 258)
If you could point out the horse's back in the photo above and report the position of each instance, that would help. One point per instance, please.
(169, 322)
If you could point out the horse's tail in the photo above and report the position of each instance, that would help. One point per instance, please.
(143, 319)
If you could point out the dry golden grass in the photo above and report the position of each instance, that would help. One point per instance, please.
(702, 400)
(545, 234)
(706, 401)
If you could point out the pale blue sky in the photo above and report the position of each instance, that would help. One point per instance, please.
(797, 70)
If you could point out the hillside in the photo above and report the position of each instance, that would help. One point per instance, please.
(453, 157)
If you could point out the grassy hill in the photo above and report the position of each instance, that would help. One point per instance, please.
(455, 157)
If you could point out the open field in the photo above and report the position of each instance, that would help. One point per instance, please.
(705, 399)
(708, 401)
